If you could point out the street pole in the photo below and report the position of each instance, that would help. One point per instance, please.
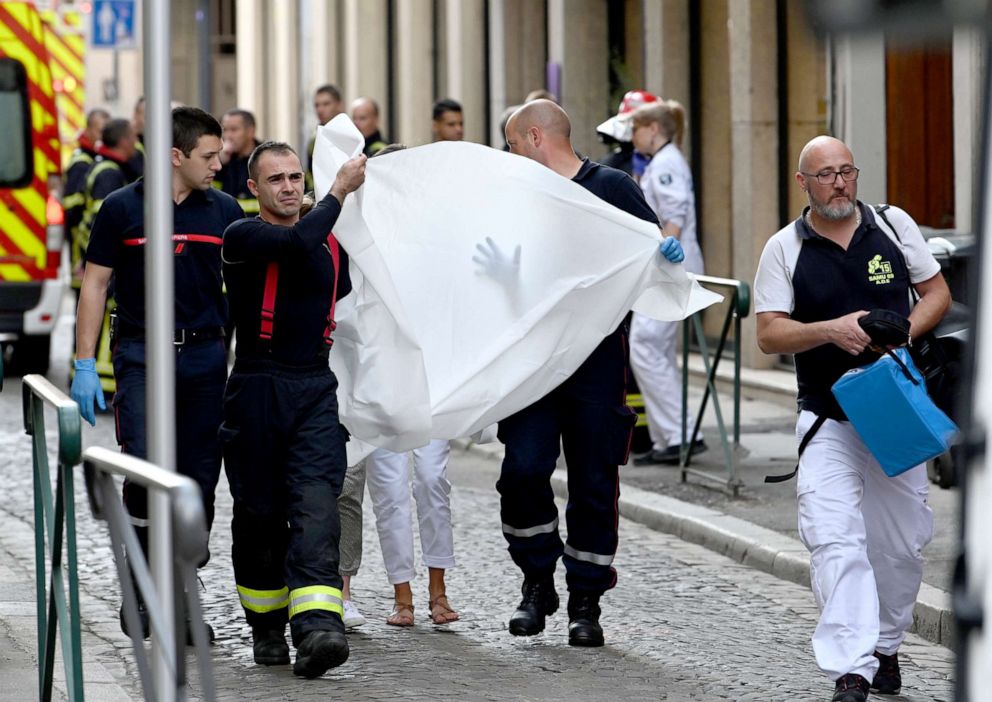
(159, 350)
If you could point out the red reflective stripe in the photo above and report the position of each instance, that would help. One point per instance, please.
(201, 238)
(269, 302)
(332, 244)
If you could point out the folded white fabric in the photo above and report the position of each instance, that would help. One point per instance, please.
(481, 280)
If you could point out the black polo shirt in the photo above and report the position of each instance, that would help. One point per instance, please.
(616, 188)
(828, 282)
(118, 242)
(306, 279)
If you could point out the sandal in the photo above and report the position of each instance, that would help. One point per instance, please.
(441, 611)
(402, 614)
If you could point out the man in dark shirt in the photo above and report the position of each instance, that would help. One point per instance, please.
(365, 115)
(587, 414)
(116, 249)
(284, 449)
(239, 142)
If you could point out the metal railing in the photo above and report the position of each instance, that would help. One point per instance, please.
(738, 296)
(57, 601)
(186, 523)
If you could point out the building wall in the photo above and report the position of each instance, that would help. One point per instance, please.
(723, 59)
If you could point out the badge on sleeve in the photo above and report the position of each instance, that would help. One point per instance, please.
(665, 179)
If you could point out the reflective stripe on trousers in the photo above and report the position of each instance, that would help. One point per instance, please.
(589, 557)
(321, 597)
(263, 601)
(548, 528)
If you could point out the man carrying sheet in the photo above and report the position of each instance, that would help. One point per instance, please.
(587, 414)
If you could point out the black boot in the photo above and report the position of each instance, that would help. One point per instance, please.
(888, 679)
(269, 646)
(319, 652)
(146, 626)
(583, 620)
(539, 601)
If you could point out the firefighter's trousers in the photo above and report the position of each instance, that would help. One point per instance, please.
(201, 368)
(284, 453)
(588, 416)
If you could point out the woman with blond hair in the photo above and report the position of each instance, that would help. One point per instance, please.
(658, 128)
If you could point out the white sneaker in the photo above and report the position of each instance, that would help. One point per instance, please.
(352, 617)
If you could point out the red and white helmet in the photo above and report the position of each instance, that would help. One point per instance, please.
(619, 127)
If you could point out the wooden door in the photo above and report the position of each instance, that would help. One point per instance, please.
(920, 133)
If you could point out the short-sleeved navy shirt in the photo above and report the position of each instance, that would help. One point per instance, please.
(616, 188)
(199, 221)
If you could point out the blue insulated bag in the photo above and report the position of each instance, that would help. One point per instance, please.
(888, 406)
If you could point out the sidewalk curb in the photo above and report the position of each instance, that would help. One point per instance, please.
(769, 551)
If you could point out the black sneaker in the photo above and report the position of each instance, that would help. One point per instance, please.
(888, 680)
(583, 620)
(269, 646)
(850, 688)
(540, 600)
(670, 456)
(319, 652)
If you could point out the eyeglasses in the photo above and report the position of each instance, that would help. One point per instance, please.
(850, 173)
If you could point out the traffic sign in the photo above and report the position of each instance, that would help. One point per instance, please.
(113, 24)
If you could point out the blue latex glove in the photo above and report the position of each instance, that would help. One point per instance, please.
(639, 163)
(671, 249)
(86, 388)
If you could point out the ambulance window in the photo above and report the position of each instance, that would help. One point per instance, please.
(15, 114)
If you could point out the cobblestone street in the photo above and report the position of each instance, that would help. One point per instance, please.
(683, 622)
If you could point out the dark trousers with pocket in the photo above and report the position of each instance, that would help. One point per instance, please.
(284, 454)
(201, 370)
(587, 415)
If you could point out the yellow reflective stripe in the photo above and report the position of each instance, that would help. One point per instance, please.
(249, 205)
(263, 601)
(320, 597)
(74, 200)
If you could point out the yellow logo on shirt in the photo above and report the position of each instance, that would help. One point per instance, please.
(879, 271)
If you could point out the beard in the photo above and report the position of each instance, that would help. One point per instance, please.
(833, 210)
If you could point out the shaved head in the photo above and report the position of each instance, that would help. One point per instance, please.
(834, 199)
(819, 147)
(541, 131)
(543, 114)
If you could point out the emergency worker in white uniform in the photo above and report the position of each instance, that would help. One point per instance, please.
(667, 184)
(864, 530)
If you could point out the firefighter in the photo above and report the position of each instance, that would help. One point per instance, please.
(74, 196)
(239, 142)
(587, 415)
(201, 214)
(284, 449)
(110, 171)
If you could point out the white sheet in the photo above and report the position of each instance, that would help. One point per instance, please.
(434, 344)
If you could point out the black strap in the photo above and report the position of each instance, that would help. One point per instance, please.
(880, 211)
(802, 447)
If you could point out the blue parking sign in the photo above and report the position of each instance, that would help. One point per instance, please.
(113, 24)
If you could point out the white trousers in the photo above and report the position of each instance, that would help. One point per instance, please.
(388, 479)
(865, 533)
(652, 358)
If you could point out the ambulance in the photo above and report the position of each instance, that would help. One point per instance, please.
(31, 217)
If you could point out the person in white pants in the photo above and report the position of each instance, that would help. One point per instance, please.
(667, 184)
(864, 530)
(388, 479)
